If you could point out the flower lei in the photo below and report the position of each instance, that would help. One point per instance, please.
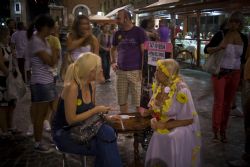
(158, 112)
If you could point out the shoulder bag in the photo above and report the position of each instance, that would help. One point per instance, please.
(212, 65)
(83, 132)
(16, 88)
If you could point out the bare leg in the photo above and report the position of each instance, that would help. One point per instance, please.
(39, 112)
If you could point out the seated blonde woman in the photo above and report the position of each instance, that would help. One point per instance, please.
(176, 138)
(77, 104)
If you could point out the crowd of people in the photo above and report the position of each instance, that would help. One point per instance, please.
(91, 53)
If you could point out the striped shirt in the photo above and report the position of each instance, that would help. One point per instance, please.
(40, 72)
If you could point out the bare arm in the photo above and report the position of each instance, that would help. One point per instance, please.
(73, 43)
(3, 68)
(113, 53)
(70, 101)
(51, 60)
(142, 53)
(214, 49)
(96, 45)
(70, 94)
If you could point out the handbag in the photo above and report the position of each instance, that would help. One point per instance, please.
(67, 60)
(83, 132)
(213, 62)
(16, 87)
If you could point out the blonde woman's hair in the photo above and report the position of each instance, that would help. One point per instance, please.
(82, 67)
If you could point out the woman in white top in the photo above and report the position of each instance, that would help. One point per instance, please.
(81, 39)
(225, 84)
(43, 90)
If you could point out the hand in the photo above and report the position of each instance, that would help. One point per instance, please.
(144, 112)
(153, 122)
(102, 109)
(114, 66)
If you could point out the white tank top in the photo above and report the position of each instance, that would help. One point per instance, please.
(76, 52)
(231, 59)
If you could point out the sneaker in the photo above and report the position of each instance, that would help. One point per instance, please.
(236, 112)
(42, 148)
(46, 125)
(108, 80)
(30, 131)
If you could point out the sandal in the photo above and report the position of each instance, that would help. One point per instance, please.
(216, 139)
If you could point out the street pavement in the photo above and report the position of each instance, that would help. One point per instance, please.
(19, 153)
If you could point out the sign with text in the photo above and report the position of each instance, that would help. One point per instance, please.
(157, 50)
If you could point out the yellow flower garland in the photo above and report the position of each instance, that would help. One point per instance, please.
(168, 102)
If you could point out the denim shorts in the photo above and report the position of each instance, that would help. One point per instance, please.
(43, 92)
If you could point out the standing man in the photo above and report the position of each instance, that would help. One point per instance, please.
(19, 42)
(128, 43)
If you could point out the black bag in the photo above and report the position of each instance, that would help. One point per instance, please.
(83, 132)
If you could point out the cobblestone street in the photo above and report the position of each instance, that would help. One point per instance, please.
(20, 153)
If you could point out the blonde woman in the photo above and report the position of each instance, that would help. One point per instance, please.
(176, 138)
(77, 104)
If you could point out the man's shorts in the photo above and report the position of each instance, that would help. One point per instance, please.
(128, 81)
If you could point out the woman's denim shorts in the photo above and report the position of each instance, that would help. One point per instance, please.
(43, 92)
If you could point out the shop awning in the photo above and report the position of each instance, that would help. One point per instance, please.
(101, 19)
(189, 6)
(113, 12)
(155, 5)
(161, 2)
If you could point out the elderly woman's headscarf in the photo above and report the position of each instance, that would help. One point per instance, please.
(169, 67)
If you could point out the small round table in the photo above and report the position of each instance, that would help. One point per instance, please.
(135, 124)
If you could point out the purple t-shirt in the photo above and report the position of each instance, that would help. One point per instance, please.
(128, 47)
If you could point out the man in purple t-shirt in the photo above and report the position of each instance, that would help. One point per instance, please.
(128, 42)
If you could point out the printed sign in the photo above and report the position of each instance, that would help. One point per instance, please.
(157, 50)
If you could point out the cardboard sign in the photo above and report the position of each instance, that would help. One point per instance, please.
(157, 50)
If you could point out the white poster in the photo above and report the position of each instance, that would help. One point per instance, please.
(154, 56)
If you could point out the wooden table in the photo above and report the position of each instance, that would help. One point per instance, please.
(135, 125)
